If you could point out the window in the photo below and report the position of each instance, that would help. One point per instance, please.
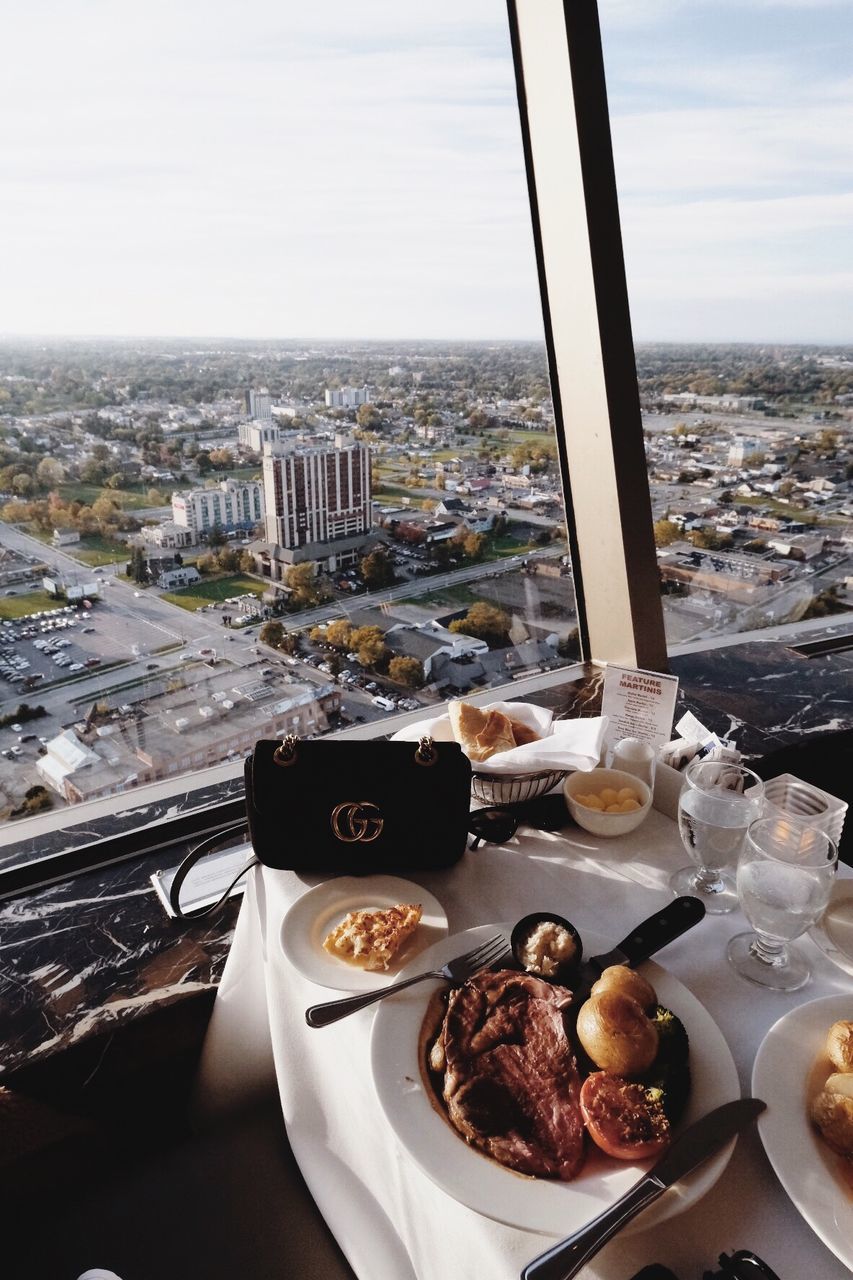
(408, 369)
(733, 166)
(421, 228)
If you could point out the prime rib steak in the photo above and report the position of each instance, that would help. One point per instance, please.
(511, 1084)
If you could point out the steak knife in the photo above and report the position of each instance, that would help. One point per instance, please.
(690, 1149)
(643, 941)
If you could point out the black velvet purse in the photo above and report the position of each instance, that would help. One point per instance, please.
(356, 807)
(349, 808)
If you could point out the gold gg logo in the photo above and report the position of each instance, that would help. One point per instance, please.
(357, 822)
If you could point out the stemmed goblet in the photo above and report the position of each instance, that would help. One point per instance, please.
(717, 803)
(784, 879)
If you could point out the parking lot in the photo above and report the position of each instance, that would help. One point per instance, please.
(41, 648)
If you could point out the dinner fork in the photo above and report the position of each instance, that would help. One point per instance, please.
(455, 971)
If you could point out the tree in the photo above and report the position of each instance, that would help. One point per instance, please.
(246, 562)
(272, 633)
(377, 569)
(228, 560)
(474, 545)
(339, 634)
(23, 484)
(93, 472)
(306, 589)
(50, 473)
(486, 622)
(105, 509)
(367, 416)
(216, 537)
(665, 532)
(138, 570)
(710, 541)
(369, 644)
(407, 671)
(206, 564)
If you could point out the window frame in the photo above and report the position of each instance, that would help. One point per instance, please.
(569, 173)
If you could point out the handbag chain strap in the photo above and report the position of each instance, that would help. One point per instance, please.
(285, 753)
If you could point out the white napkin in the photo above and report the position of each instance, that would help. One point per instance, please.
(563, 744)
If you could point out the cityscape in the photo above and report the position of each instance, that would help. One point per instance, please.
(206, 543)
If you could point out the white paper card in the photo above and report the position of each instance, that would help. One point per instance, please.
(207, 881)
(638, 704)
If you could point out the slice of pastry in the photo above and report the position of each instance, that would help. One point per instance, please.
(481, 734)
(523, 733)
(371, 939)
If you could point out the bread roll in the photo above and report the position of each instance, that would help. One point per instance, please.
(481, 734)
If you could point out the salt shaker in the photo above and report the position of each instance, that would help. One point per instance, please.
(636, 757)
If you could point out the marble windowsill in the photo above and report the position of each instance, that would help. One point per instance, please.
(80, 957)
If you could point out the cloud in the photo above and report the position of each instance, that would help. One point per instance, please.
(276, 167)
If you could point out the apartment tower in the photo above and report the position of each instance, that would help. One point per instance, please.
(316, 494)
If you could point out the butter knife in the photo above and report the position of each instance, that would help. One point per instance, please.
(690, 1149)
(643, 941)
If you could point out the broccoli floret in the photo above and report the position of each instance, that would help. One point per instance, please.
(672, 1037)
(668, 1079)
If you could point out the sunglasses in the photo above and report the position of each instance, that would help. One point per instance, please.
(741, 1265)
(499, 823)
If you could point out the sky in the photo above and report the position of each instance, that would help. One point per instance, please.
(271, 168)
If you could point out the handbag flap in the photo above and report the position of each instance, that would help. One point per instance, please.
(358, 806)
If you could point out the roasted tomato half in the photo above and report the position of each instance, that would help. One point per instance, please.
(622, 1119)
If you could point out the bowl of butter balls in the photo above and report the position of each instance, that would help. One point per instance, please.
(607, 802)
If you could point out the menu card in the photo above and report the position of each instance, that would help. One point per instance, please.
(638, 704)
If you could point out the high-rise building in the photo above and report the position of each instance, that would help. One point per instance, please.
(258, 405)
(317, 499)
(233, 504)
(347, 397)
(254, 435)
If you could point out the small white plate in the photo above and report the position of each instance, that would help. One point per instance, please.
(539, 1204)
(790, 1068)
(834, 933)
(313, 916)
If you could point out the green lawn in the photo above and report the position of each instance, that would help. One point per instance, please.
(32, 602)
(452, 597)
(504, 545)
(212, 589)
(130, 499)
(95, 550)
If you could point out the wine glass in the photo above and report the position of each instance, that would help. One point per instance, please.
(717, 803)
(784, 879)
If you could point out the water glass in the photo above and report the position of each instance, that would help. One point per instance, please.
(718, 801)
(784, 879)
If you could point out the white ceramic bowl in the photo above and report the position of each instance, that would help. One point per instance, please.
(596, 821)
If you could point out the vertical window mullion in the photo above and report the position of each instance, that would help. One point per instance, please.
(566, 133)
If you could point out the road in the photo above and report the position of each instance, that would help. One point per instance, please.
(415, 587)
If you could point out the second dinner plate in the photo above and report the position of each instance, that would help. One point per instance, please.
(538, 1204)
(790, 1068)
(313, 916)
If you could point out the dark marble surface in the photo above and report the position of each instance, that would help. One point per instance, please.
(79, 957)
(78, 834)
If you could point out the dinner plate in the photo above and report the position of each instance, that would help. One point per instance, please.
(537, 1204)
(318, 911)
(834, 933)
(790, 1068)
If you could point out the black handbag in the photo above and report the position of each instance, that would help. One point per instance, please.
(357, 807)
(348, 808)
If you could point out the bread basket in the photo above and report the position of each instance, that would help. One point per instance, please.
(514, 788)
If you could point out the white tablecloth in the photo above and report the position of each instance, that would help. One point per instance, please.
(390, 1220)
